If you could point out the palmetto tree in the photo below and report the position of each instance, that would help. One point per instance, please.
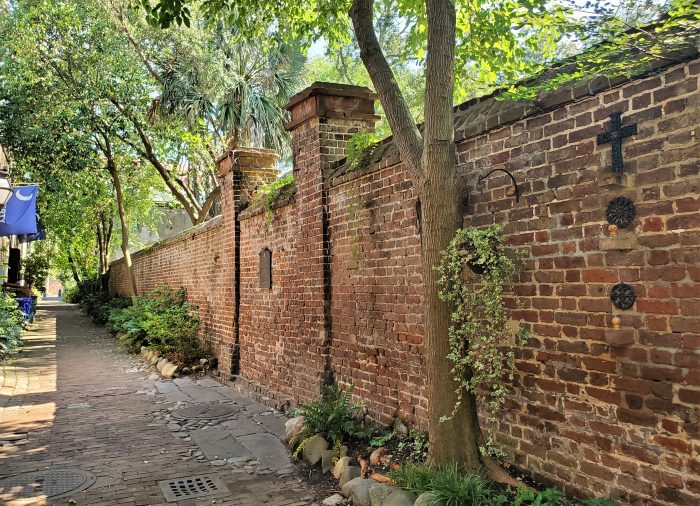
(238, 97)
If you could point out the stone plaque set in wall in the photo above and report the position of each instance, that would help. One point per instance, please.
(266, 268)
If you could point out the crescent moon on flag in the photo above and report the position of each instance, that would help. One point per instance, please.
(22, 197)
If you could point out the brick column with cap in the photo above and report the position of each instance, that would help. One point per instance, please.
(242, 172)
(324, 117)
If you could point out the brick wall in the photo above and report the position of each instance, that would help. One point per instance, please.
(592, 417)
(273, 352)
(196, 261)
(595, 418)
(377, 293)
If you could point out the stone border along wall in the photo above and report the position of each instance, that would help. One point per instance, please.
(195, 260)
(345, 303)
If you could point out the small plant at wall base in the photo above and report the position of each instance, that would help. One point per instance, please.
(333, 417)
(480, 337)
(416, 446)
(11, 325)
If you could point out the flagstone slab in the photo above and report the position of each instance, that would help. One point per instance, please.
(273, 423)
(268, 449)
(243, 427)
(172, 392)
(219, 444)
(197, 392)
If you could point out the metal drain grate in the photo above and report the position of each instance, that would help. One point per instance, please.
(192, 486)
(51, 484)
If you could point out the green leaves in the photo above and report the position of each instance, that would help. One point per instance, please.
(11, 325)
(162, 319)
(481, 339)
(333, 416)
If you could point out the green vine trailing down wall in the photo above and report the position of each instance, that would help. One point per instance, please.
(480, 335)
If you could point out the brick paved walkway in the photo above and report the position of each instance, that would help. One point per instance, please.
(73, 399)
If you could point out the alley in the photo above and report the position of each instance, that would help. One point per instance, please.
(80, 413)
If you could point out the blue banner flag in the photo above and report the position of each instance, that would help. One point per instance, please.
(19, 214)
(40, 232)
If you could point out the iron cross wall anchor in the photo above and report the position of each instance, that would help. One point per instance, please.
(614, 136)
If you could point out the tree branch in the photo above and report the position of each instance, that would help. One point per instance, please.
(137, 48)
(403, 127)
(149, 154)
(215, 193)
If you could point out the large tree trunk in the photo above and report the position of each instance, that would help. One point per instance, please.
(125, 226)
(453, 441)
(442, 215)
(431, 162)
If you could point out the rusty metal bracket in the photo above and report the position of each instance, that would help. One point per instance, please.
(515, 185)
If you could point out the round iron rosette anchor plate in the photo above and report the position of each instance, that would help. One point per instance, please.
(620, 212)
(623, 296)
(49, 484)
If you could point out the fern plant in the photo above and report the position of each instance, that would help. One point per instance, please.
(333, 417)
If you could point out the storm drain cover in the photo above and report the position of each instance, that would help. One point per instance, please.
(50, 483)
(206, 412)
(180, 489)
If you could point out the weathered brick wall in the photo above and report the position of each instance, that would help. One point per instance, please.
(592, 418)
(196, 261)
(377, 293)
(273, 352)
(585, 415)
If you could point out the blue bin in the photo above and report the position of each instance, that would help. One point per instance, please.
(28, 307)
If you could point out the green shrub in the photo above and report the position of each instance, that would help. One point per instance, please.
(333, 417)
(162, 320)
(11, 325)
(450, 487)
(128, 323)
(72, 294)
(98, 305)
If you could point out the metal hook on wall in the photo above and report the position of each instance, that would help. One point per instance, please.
(515, 185)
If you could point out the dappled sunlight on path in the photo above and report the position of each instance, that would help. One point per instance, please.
(73, 399)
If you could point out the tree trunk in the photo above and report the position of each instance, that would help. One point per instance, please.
(125, 226)
(73, 269)
(454, 441)
(441, 201)
(100, 251)
(430, 159)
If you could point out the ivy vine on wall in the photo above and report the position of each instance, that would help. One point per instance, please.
(475, 272)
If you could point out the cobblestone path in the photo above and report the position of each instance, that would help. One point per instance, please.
(73, 399)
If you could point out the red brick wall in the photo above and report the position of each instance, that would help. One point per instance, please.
(273, 351)
(377, 293)
(587, 416)
(592, 418)
(195, 260)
